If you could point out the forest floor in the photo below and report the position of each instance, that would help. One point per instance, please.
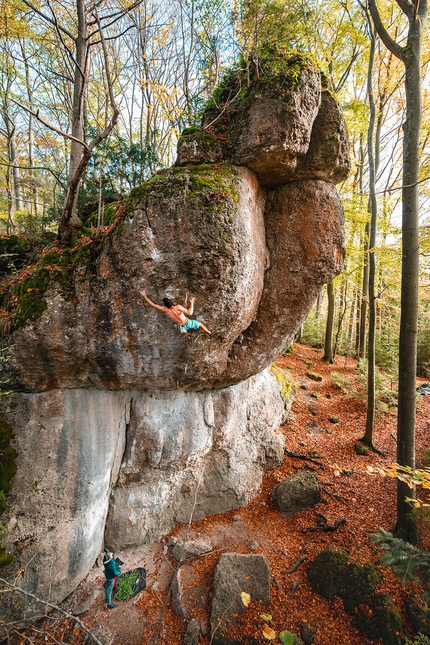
(324, 426)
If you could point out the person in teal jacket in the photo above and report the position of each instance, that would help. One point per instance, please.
(111, 571)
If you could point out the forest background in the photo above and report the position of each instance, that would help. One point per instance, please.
(154, 65)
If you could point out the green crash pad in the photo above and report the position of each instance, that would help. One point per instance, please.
(129, 584)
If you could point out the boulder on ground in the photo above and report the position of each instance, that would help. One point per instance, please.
(236, 574)
(297, 492)
(419, 615)
(192, 631)
(381, 619)
(192, 549)
(327, 572)
(360, 582)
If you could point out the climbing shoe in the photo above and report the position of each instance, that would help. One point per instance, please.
(112, 606)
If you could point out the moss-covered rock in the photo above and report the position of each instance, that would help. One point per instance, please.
(22, 298)
(327, 572)
(109, 214)
(360, 581)
(263, 113)
(17, 252)
(197, 146)
(361, 449)
(419, 615)
(208, 183)
(381, 619)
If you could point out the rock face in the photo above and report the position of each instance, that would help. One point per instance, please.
(69, 444)
(122, 426)
(124, 467)
(193, 455)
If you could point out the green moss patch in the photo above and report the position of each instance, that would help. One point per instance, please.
(206, 142)
(285, 380)
(210, 183)
(109, 214)
(381, 619)
(359, 583)
(5, 559)
(21, 299)
(17, 251)
(314, 376)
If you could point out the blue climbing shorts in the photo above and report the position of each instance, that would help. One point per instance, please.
(190, 324)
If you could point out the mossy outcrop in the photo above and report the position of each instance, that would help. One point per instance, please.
(332, 575)
(196, 146)
(360, 581)
(327, 572)
(381, 619)
(419, 615)
(277, 118)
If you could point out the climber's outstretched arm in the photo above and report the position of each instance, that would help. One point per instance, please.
(152, 303)
(189, 311)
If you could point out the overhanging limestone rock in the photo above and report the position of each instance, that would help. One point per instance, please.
(193, 454)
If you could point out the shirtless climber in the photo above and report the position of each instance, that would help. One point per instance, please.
(179, 314)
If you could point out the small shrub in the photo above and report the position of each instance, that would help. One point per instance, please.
(314, 376)
(345, 384)
(419, 639)
(333, 419)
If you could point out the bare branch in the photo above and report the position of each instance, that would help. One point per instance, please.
(56, 177)
(51, 606)
(48, 125)
(116, 16)
(108, 77)
(31, 6)
(383, 33)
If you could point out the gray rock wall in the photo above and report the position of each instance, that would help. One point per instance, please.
(192, 454)
(141, 461)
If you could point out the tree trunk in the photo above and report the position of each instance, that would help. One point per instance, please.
(30, 130)
(406, 524)
(318, 304)
(70, 222)
(328, 344)
(410, 54)
(373, 208)
(364, 295)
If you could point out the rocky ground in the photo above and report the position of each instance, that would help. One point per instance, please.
(323, 429)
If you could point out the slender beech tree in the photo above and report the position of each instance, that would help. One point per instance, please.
(373, 208)
(410, 54)
(328, 343)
